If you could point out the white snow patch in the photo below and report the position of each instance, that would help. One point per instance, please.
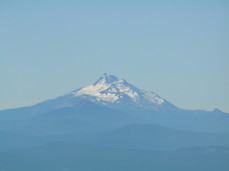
(126, 90)
(152, 97)
(95, 90)
(108, 91)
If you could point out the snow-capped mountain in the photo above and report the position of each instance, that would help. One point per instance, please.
(109, 103)
(111, 89)
(115, 93)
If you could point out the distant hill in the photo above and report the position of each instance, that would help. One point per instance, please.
(72, 156)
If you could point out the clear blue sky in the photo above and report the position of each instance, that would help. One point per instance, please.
(179, 49)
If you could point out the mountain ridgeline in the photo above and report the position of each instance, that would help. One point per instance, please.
(109, 103)
(108, 122)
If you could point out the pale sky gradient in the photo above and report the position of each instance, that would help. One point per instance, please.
(179, 49)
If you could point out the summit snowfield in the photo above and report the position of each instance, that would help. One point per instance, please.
(110, 90)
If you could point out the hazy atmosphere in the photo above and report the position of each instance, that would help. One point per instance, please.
(178, 49)
(114, 85)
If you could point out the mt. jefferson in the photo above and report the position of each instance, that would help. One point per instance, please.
(115, 93)
(109, 103)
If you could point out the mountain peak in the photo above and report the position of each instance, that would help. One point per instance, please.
(106, 78)
(217, 110)
(111, 91)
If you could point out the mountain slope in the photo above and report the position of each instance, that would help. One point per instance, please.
(84, 116)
